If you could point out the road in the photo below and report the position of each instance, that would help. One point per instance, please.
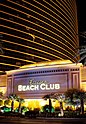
(41, 121)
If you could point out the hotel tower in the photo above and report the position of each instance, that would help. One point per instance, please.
(38, 45)
(33, 31)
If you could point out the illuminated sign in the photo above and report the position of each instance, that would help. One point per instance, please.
(38, 85)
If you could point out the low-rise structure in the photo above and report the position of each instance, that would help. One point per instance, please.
(32, 82)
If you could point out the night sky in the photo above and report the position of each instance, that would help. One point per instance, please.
(81, 11)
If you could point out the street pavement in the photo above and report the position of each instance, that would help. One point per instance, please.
(12, 120)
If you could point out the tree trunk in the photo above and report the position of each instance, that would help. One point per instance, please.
(82, 106)
(50, 106)
(61, 108)
(12, 106)
(19, 108)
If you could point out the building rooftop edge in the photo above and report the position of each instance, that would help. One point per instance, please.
(60, 63)
(47, 63)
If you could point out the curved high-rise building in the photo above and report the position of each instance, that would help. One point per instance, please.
(37, 30)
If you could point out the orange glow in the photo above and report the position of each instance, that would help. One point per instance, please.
(47, 63)
(34, 103)
(83, 86)
(3, 89)
(16, 104)
(39, 103)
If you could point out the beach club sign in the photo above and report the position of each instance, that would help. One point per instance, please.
(38, 85)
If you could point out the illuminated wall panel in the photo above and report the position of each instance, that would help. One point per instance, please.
(34, 83)
(40, 85)
(3, 84)
(83, 78)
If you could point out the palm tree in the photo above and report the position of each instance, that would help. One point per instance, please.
(12, 97)
(49, 96)
(70, 94)
(60, 98)
(7, 102)
(76, 95)
(82, 96)
(71, 97)
(82, 53)
(20, 100)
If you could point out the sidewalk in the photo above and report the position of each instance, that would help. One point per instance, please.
(61, 119)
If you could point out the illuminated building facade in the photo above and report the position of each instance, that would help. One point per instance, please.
(35, 81)
(32, 82)
(36, 31)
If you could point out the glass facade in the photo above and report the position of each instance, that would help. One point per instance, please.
(37, 31)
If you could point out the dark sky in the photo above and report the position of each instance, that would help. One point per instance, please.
(81, 11)
(81, 6)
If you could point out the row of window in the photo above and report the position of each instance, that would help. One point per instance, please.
(48, 71)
